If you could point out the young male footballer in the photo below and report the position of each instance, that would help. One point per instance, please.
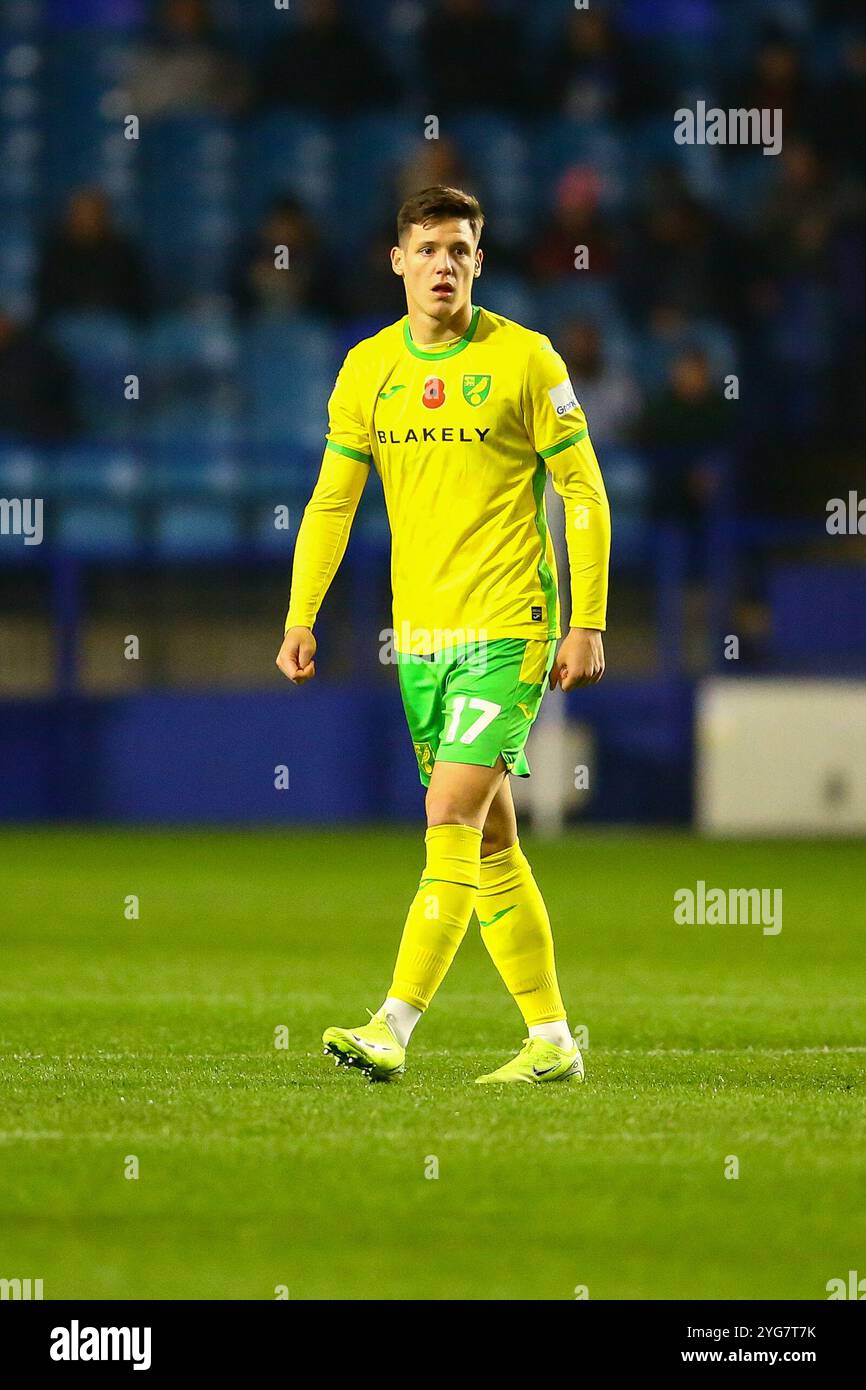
(462, 413)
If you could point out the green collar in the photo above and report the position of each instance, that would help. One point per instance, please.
(447, 352)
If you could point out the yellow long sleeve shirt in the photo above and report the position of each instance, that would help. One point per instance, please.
(462, 436)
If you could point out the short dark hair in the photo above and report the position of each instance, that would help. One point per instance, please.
(436, 204)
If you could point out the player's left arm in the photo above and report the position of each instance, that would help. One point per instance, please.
(559, 433)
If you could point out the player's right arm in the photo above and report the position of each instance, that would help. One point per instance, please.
(325, 526)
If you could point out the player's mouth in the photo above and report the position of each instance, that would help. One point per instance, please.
(443, 291)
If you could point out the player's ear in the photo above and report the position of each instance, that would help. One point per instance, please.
(479, 257)
(397, 260)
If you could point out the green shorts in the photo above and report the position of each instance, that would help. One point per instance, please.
(475, 703)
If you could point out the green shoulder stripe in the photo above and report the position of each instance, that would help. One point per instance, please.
(349, 453)
(563, 444)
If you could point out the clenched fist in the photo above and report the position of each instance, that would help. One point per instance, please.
(579, 661)
(295, 658)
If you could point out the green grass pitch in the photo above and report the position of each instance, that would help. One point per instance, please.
(261, 1166)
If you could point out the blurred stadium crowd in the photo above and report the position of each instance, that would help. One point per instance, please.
(258, 126)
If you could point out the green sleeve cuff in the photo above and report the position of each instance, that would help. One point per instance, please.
(563, 444)
(348, 453)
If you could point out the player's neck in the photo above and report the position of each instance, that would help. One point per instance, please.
(427, 331)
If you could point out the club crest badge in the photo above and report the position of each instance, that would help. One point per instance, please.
(476, 388)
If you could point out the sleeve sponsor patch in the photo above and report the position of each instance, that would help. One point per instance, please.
(562, 398)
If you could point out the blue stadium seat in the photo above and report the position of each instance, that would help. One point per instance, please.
(95, 339)
(189, 194)
(511, 296)
(81, 70)
(287, 153)
(288, 370)
(747, 181)
(99, 528)
(544, 21)
(581, 295)
(627, 481)
(179, 341)
(201, 530)
(194, 419)
(93, 470)
(191, 367)
(17, 266)
(21, 164)
(280, 473)
(104, 349)
(498, 155)
(372, 150)
(22, 469)
(196, 468)
(652, 142)
(273, 540)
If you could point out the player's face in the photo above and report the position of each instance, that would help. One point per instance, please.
(438, 264)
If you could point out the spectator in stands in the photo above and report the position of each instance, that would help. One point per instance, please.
(327, 62)
(441, 163)
(590, 72)
(842, 110)
(691, 409)
(472, 55)
(685, 425)
(86, 262)
(777, 81)
(184, 68)
(37, 400)
(807, 294)
(373, 294)
(677, 251)
(433, 163)
(261, 286)
(608, 394)
(576, 221)
(806, 204)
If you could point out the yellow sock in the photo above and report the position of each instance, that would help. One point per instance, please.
(515, 928)
(439, 914)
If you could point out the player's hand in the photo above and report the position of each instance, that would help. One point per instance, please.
(579, 661)
(295, 658)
